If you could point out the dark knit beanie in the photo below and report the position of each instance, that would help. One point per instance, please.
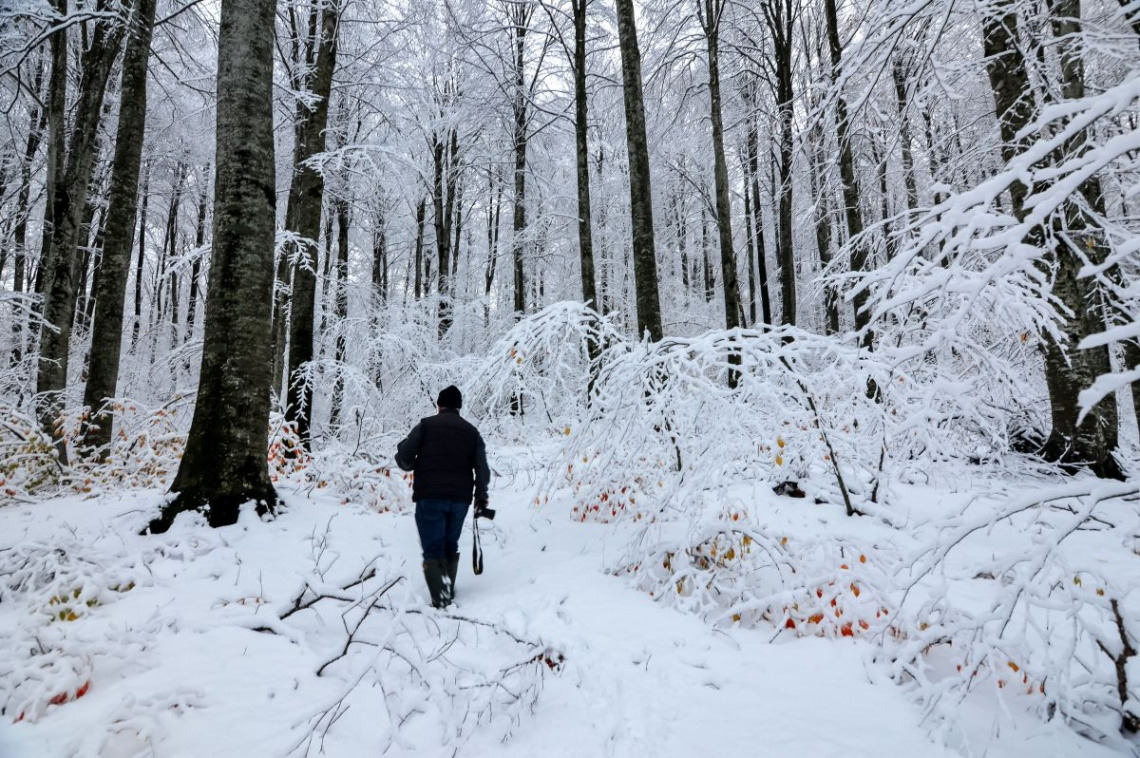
(450, 397)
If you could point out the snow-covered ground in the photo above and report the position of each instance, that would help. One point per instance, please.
(188, 644)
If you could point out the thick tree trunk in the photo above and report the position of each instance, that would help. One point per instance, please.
(303, 216)
(118, 240)
(1068, 369)
(225, 464)
(70, 199)
(640, 184)
(585, 234)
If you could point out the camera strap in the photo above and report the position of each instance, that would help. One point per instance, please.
(476, 548)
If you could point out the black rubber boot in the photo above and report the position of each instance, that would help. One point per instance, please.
(435, 572)
(453, 571)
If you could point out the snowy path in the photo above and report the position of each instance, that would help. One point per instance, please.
(639, 679)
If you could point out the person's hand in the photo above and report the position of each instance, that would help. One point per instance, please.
(482, 509)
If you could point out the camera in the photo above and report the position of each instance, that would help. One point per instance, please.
(485, 512)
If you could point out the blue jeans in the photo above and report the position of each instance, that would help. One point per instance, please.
(440, 522)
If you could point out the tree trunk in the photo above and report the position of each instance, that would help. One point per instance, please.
(196, 264)
(852, 212)
(70, 198)
(56, 148)
(1068, 369)
(521, 19)
(640, 184)
(581, 124)
(780, 22)
(753, 150)
(823, 229)
(137, 328)
(37, 123)
(442, 198)
(303, 216)
(224, 464)
(118, 241)
(340, 310)
(420, 213)
(900, 76)
(380, 257)
(712, 10)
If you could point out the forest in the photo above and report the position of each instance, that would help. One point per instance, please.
(803, 336)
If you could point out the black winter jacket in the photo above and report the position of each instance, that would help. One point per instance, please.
(448, 457)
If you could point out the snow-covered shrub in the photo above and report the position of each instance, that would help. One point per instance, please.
(28, 459)
(1042, 621)
(732, 572)
(666, 424)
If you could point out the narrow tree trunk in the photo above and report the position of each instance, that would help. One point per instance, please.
(780, 22)
(710, 20)
(441, 218)
(823, 229)
(340, 311)
(21, 281)
(640, 184)
(521, 18)
(750, 244)
(753, 150)
(419, 255)
(224, 464)
(118, 241)
(196, 264)
(137, 328)
(303, 216)
(380, 257)
(852, 212)
(581, 143)
(898, 71)
(56, 149)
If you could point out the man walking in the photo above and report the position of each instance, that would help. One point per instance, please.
(449, 459)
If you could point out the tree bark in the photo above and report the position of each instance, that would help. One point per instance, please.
(852, 212)
(710, 12)
(640, 184)
(118, 241)
(340, 309)
(581, 124)
(419, 255)
(196, 264)
(136, 330)
(521, 18)
(224, 464)
(303, 216)
(779, 14)
(61, 268)
(1068, 369)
